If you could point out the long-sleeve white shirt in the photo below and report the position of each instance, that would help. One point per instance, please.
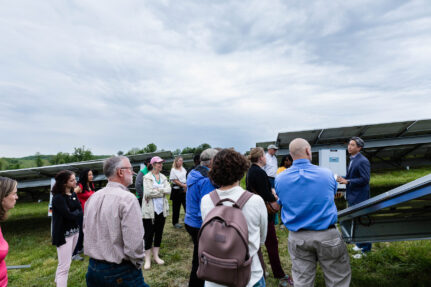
(257, 220)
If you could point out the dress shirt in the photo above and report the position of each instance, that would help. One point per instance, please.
(271, 165)
(256, 215)
(306, 193)
(113, 226)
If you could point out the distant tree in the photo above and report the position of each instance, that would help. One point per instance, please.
(188, 150)
(176, 152)
(82, 154)
(195, 150)
(151, 147)
(61, 157)
(201, 148)
(38, 160)
(1, 164)
(134, 151)
(120, 152)
(14, 164)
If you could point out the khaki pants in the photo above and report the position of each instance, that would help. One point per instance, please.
(306, 248)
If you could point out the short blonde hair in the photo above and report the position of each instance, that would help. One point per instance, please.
(256, 154)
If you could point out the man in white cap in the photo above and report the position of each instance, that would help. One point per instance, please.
(271, 163)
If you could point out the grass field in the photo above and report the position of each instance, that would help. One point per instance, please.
(28, 233)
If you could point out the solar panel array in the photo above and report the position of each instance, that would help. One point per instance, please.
(387, 145)
(41, 176)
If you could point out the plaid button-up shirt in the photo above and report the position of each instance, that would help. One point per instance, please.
(112, 227)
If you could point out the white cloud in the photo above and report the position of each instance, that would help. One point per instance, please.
(115, 75)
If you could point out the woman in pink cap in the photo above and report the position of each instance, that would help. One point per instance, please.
(155, 208)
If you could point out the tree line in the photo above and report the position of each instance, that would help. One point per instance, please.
(83, 154)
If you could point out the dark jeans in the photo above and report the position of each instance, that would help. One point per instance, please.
(101, 273)
(153, 230)
(194, 281)
(178, 199)
(366, 247)
(272, 181)
(79, 244)
(271, 244)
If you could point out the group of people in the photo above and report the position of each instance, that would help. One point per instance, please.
(119, 243)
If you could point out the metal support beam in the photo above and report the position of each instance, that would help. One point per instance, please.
(401, 156)
(363, 130)
(318, 137)
(403, 213)
(387, 229)
(409, 125)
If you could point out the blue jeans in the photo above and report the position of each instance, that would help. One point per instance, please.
(260, 283)
(272, 181)
(107, 274)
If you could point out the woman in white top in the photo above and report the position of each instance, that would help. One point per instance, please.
(155, 208)
(227, 170)
(179, 188)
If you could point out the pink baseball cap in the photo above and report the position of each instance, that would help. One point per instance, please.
(156, 159)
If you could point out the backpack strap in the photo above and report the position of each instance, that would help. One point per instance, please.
(215, 197)
(245, 196)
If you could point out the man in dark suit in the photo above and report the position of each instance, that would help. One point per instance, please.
(357, 180)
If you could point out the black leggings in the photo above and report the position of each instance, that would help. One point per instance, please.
(178, 199)
(194, 281)
(153, 229)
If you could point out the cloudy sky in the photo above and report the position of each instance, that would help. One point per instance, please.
(112, 75)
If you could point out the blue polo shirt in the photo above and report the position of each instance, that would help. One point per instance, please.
(306, 193)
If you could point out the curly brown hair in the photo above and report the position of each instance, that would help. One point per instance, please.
(228, 167)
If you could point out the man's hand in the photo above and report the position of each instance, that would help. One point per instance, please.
(342, 180)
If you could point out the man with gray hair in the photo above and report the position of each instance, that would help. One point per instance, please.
(113, 231)
(198, 185)
(306, 193)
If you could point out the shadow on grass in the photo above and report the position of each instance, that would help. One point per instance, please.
(27, 225)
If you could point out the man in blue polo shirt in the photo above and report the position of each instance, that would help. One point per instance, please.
(306, 193)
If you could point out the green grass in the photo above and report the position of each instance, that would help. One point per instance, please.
(28, 233)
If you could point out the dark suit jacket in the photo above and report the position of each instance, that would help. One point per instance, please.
(358, 188)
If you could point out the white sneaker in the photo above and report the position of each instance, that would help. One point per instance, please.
(357, 249)
(359, 255)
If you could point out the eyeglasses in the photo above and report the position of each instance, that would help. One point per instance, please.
(129, 168)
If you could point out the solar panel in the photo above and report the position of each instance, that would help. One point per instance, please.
(403, 213)
(41, 176)
(399, 142)
(264, 145)
(421, 127)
